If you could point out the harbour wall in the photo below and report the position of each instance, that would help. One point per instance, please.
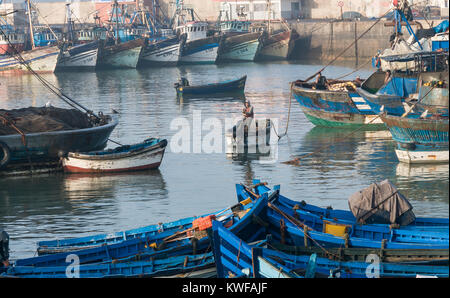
(322, 40)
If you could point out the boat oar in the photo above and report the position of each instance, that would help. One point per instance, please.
(293, 220)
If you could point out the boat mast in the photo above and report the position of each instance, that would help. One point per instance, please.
(69, 23)
(117, 21)
(30, 24)
(269, 15)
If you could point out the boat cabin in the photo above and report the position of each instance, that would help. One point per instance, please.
(12, 38)
(92, 34)
(193, 30)
(46, 38)
(235, 26)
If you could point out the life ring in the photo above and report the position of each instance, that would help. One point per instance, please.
(5, 154)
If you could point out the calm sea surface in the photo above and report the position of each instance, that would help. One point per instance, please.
(61, 206)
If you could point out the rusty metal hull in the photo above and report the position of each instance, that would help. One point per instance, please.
(333, 108)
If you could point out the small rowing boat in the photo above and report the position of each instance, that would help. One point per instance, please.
(234, 86)
(143, 156)
(237, 257)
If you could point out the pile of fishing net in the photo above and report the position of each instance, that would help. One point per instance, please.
(42, 119)
(344, 86)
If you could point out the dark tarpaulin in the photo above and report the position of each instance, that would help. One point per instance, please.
(42, 119)
(381, 203)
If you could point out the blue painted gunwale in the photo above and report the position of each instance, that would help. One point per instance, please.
(142, 243)
(345, 215)
(233, 254)
(151, 268)
(359, 235)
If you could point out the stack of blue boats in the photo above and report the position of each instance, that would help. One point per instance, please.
(264, 235)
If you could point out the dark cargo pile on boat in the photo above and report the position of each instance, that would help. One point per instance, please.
(381, 203)
(42, 119)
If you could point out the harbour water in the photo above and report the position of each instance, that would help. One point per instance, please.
(52, 206)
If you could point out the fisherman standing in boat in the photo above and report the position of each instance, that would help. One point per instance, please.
(321, 82)
(248, 110)
(4, 249)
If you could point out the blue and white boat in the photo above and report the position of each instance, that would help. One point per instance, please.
(337, 105)
(238, 43)
(196, 46)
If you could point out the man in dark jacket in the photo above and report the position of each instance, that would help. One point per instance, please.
(4, 249)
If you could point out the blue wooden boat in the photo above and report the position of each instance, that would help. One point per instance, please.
(338, 105)
(166, 267)
(288, 225)
(419, 140)
(171, 242)
(235, 257)
(228, 87)
(346, 215)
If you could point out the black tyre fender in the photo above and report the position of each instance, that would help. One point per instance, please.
(5, 154)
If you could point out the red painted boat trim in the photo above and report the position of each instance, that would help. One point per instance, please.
(72, 169)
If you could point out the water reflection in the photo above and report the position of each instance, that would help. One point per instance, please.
(58, 206)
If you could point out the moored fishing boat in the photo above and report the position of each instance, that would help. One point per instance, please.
(327, 226)
(236, 257)
(82, 56)
(196, 46)
(190, 238)
(121, 55)
(161, 52)
(43, 134)
(176, 266)
(143, 156)
(419, 140)
(238, 43)
(277, 45)
(342, 215)
(41, 60)
(335, 105)
(183, 88)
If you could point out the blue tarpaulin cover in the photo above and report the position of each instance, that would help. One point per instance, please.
(399, 86)
(442, 27)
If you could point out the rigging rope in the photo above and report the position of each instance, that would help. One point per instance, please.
(348, 47)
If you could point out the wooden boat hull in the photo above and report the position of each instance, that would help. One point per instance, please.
(277, 46)
(164, 267)
(346, 215)
(145, 158)
(334, 108)
(419, 140)
(236, 258)
(49, 145)
(41, 60)
(230, 87)
(123, 55)
(369, 233)
(166, 52)
(243, 47)
(151, 244)
(200, 51)
(79, 57)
